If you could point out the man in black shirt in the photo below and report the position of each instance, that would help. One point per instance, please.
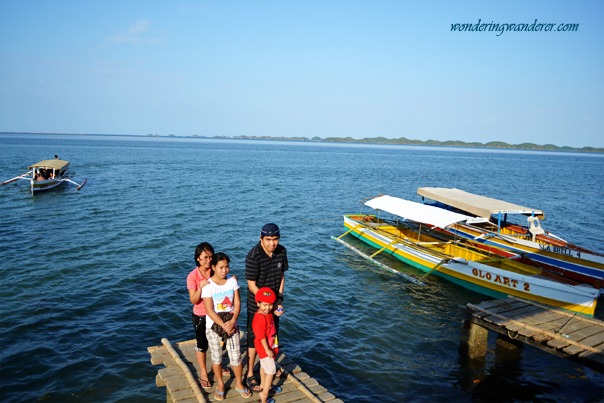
(265, 266)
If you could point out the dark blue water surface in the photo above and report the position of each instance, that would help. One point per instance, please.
(90, 279)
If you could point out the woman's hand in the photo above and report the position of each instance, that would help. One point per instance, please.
(202, 284)
(229, 327)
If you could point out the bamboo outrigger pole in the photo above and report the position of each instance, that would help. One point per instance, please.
(15, 178)
(384, 248)
(379, 264)
(79, 185)
(345, 233)
(435, 268)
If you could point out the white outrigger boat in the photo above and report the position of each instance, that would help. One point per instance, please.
(407, 236)
(46, 174)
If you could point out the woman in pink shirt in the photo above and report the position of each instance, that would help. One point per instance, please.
(196, 280)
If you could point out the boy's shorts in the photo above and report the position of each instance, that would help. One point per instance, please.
(268, 365)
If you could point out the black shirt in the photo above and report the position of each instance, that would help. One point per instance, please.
(265, 271)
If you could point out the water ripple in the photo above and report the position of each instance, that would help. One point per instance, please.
(91, 278)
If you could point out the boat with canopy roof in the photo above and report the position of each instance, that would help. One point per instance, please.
(46, 175)
(407, 235)
(531, 240)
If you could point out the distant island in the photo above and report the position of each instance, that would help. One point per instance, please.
(427, 143)
(370, 140)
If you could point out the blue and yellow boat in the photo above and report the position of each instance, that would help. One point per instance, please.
(530, 240)
(408, 235)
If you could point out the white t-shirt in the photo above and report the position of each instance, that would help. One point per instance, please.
(223, 297)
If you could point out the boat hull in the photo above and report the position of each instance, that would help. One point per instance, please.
(570, 263)
(476, 276)
(546, 249)
(40, 186)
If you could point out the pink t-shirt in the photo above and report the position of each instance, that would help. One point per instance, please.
(193, 280)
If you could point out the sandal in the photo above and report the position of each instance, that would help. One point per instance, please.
(275, 389)
(280, 372)
(253, 384)
(218, 395)
(270, 400)
(245, 393)
(205, 384)
(226, 372)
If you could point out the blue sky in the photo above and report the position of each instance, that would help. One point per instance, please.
(291, 68)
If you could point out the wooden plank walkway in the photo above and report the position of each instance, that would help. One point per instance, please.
(179, 377)
(558, 332)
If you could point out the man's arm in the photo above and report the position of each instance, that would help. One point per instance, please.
(252, 287)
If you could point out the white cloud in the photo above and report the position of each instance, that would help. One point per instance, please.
(134, 34)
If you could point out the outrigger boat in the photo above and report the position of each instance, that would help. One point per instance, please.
(46, 174)
(532, 241)
(407, 237)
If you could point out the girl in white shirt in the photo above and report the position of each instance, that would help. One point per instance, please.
(222, 302)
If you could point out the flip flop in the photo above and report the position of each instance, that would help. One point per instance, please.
(270, 400)
(218, 395)
(280, 372)
(226, 372)
(275, 389)
(208, 386)
(253, 384)
(245, 393)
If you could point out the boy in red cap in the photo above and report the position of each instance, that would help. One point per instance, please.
(265, 341)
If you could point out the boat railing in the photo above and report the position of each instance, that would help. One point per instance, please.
(376, 224)
(408, 242)
(465, 248)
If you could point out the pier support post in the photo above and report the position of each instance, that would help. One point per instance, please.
(473, 340)
(507, 350)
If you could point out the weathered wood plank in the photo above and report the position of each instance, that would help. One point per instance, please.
(572, 326)
(553, 325)
(524, 312)
(502, 305)
(542, 318)
(296, 385)
(558, 343)
(585, 332)
(535, 326)
(555, 331)
(595, 341)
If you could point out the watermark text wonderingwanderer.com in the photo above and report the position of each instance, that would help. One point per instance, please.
(501, 28)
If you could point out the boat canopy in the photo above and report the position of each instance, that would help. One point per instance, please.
(58, 165)
(418, 212)
(481, 206)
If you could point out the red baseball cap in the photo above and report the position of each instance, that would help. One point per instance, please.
(267, 295)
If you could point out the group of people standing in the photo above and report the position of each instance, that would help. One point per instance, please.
(217, 305)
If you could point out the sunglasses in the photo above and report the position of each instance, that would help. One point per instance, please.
(270, 233)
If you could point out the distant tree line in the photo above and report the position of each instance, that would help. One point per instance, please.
(432, 143)
(383, 140)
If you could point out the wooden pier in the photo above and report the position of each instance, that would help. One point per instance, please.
(179, 377)
(517, 322)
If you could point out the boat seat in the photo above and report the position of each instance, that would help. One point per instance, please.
(535, 227)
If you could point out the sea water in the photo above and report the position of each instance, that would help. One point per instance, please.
(89, 279)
